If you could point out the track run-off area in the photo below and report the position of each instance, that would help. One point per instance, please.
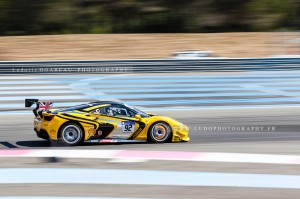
(244, 130)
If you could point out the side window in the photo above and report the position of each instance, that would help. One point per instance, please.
(131, 113)
(114, 110)
(100, 111)
(118, 110)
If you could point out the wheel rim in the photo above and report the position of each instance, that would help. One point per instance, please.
(160, 132)
(71, 134)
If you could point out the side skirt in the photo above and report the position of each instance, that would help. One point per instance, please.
(114, 140)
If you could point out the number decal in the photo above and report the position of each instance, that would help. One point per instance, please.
(128, 127)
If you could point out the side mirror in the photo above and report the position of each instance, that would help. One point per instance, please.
(138, 117)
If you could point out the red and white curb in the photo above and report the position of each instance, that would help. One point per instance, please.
(140, 156)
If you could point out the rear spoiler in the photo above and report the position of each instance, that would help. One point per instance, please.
(30, 102)
(40, 106)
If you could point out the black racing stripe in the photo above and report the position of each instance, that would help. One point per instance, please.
(142, 125)
(82, 110)
(106, 129)
(68, 115)
(122, 118)
(77, 118)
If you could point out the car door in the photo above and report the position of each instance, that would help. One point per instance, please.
(122, 118)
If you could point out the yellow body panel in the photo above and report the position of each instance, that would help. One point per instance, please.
(179, 130)
(91, 123)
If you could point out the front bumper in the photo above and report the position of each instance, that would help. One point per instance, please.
(181, 133)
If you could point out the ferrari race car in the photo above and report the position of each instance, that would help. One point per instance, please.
(103, 121)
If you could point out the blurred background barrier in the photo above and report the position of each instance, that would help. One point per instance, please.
(227, 87)
(151, 65)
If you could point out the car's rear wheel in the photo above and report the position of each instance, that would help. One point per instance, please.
(159, 132)
(71, 134)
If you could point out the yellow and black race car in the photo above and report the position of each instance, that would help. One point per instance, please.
(103, 121)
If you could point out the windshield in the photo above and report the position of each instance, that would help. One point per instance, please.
(141, 113)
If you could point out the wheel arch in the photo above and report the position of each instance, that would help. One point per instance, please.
(160, 121)
(67, 122)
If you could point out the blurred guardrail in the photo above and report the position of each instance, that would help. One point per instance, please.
(149, 65)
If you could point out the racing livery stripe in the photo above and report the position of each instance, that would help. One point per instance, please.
(108, 128)
(70, 118)
(142, 125)
(80, 118)
(95, 107)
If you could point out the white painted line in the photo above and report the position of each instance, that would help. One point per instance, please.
(248, 158)
(145, 177)
(127, 160)
(141, 156)
(94, 154)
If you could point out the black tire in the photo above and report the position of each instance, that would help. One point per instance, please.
(71, 134)
(159, 132)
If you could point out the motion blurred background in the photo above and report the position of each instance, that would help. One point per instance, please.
(273, 24)
(255, 92)
(30, 17)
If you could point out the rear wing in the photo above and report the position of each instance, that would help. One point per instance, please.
(40, 106)
(30, 102)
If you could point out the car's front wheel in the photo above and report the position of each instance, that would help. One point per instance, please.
(159, 132)
(71, 134)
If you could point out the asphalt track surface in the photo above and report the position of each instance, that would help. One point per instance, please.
(276, 125)
(283, 138)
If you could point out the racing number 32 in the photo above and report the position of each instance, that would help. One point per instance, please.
(128, 127)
